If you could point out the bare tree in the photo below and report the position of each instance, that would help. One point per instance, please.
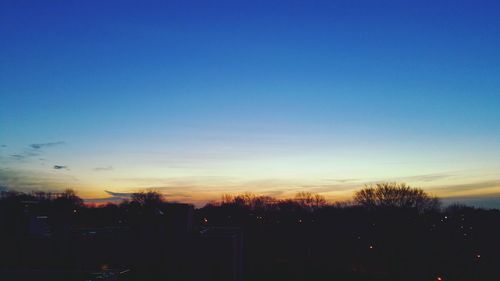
(147, 198)
(319, 200)
(310, 200)
(227, 199)
(249, 200)
(68, 197)
(394, 195)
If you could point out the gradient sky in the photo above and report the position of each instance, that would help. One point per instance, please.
(200, 98)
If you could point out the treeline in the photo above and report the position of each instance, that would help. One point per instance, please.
(388, 231)
(232, 210)
(380, 195)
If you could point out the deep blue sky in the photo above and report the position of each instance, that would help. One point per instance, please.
(283, 93)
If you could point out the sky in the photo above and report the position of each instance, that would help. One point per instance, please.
(202, 98)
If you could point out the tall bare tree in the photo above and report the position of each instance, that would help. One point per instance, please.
(395, 195)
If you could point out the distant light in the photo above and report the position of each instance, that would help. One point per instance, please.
(205, 220)
(439, 278)
(478, 256)
(371, 247)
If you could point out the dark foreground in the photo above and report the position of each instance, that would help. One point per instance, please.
(61, 239)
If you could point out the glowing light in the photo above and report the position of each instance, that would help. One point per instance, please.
(439, 278)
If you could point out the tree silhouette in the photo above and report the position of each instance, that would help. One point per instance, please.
(68, 198)
(249, 201)
(387, 233)
(147, 198)
(310, 200)
(394, 195)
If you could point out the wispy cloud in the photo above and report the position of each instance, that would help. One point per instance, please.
(343, 180)
(169, 192)
(26, 180)
(18, 156)
(34, 149)
(60, 167)
(101, 169)
(24, 155)
(427, 177)
(46, 144)
(104, 200)
(115, 197)
(474, 189)
(119, 194)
